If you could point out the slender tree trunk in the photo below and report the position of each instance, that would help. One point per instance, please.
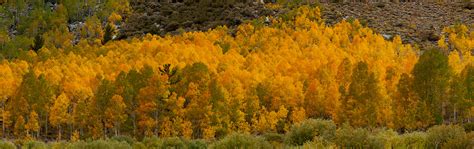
(455, 113)
(81, 131)
(116, 130)
(134, 124)
(46, 126)
(156, 122)
(3, 119)
(104, 129)
(59, 133)
(41, 117)
(443, 111)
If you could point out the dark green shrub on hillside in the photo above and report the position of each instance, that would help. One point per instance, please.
(235, 140)
(173, 142)
(139, 145)
(38, 43)
(196, 144)
(126, 139)
(7, 145)
(382, 138)
(439, 135)
(158, 143)
(34, 145)
(317, 143)
(274, 137)
(468, 127)
(152, 142)
(308, 129)
(108, 33)
(411, 140)
(462, 142)
(58, 145)
(349, 137)
(75, 145)
(99, 144)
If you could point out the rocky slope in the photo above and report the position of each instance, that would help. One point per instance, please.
(414, 22)
(162, 18)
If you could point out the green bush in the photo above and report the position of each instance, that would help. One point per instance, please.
(100, 144)
(317, 143)
(7, 145)
(152, 142)
(468, 127)
(125, 139)
(139, 145)
(196, 144)
(462, 142)
(411, 140)
(158, 143)
(349, 137)
(274, 137)
(58, 145)
(439, 135)
(76, 145)
(382, 138)
(241, 141)
(34, 145)
(173, 142)
(308, 129)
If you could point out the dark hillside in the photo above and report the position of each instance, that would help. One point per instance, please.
(161, 18)
(416, 23)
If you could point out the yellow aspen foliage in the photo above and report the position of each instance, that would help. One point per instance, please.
(167, 129)
(298, 115)
(186, 129)
(75, 136)
(115, 113)
(267, 121)
(471, 112)
(460, 39)
(59, 38)
(316, 103)
(32, 125)
(282, 112)
(198, 110)
(146, 107)
(208, 133)
(114, 17)
(59, 111)
(241, 124)
(455, 62)
(19, 127)
(8, 80)
(261, 79)
(92, 30)
(442, 43)
(120, 6)
(59, 114)
(6, 120)
(259, 122)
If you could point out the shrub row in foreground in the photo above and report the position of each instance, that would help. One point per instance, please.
(311, 133)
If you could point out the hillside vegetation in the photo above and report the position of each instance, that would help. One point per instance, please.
(270, 79)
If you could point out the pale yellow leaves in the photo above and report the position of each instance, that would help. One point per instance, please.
(59, 111)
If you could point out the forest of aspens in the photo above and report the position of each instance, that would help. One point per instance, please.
(293, 82)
